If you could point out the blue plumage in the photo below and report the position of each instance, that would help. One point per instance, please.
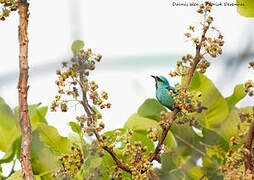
(163, 89)
(162, 92)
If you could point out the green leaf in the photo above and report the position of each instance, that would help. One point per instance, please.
(211, 138)
(237, 95)
(75, 127)
(175, 174)
(151, 108)
(37, 114)
(211, 98)
(188, 142)
(228, 126)
(170, 140)
(96, 162)
(49, 135)
(37, 178)
(77, 45)
(248, 109)
(43, 158)
(195, 172)
(211, 167)
(8, 126)
(136, 122)
(16, 176)
(11, 151)
(169, 162)
(247, 9)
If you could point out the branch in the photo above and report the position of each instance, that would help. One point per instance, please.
(118, 162)
(90, 113)
(22, 93)
(248, 145)
(163, 136)
(197, 58)
(203, 177)
(176, 109)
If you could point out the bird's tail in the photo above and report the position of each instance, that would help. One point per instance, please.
(201, 109)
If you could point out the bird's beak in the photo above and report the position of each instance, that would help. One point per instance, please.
(155, 77)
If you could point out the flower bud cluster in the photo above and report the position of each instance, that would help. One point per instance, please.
(97, 99)
(8, 6)
(235, 160)
(183, 118)
(134, 154)
(165, 122)
(187, 101)
(117, 174)
(204, 8)
(153, 134)
(204, 45)
(70, 163)
(74, 75)
(249, 87)
(251, 64)
(140, 164)
(246, 117)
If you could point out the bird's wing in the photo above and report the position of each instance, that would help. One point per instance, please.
(172, 89)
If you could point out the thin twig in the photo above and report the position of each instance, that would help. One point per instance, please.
(22, 93)
(203, 177)
(248, 145)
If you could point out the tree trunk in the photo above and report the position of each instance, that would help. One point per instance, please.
(22, 93)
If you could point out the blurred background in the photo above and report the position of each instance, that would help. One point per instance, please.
(136, 38)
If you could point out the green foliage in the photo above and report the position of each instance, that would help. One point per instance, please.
(49, 135)
(185, 144)
(76, 46)
(137, 122)
(247, 9)
(47, 144)
(211, 98)
(237, 95)
(75, 127)
(217, 124)
(152, 112)
(11, 151)
(8, 128)
(18, 176)
(42, 157)
(37, 114)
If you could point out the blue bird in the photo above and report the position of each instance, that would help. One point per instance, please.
(163, 89)
(162, 92)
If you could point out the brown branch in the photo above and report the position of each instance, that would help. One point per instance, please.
(203, 177)
(176, 109)
(197, 57)
(91, 113)
(158, 148)
(163, 136)
(248, 145)
(118, 162)
(22, 93)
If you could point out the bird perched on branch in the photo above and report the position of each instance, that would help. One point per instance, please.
(162, 92)
(163, 89)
